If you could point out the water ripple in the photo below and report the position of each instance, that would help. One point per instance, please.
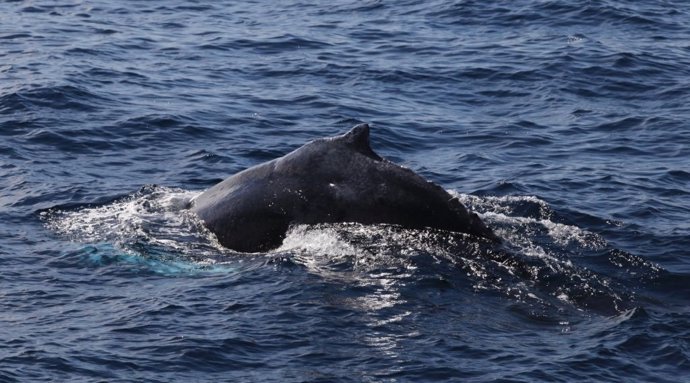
(563, 123)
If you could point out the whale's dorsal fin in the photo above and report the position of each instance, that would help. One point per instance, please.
(358, 139)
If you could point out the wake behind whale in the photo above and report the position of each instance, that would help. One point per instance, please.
(330, 180)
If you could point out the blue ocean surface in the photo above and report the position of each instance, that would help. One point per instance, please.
(564, 124)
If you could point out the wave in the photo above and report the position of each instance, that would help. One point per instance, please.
(60, 97)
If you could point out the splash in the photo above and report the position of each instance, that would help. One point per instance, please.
(152, 226)
(543, 263)
(552, 261)
(537, 265)
(520, 215)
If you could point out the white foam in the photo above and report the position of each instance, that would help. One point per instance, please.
(499, 204)
(316, 240)
(500, 210)
(154, 216)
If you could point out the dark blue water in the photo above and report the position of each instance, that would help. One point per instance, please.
(563, 123)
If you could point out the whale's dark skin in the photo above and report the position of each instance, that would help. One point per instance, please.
(328, 180)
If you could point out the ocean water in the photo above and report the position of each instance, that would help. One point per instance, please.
(564, 124)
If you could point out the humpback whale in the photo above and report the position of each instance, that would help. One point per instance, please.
(328, 180)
